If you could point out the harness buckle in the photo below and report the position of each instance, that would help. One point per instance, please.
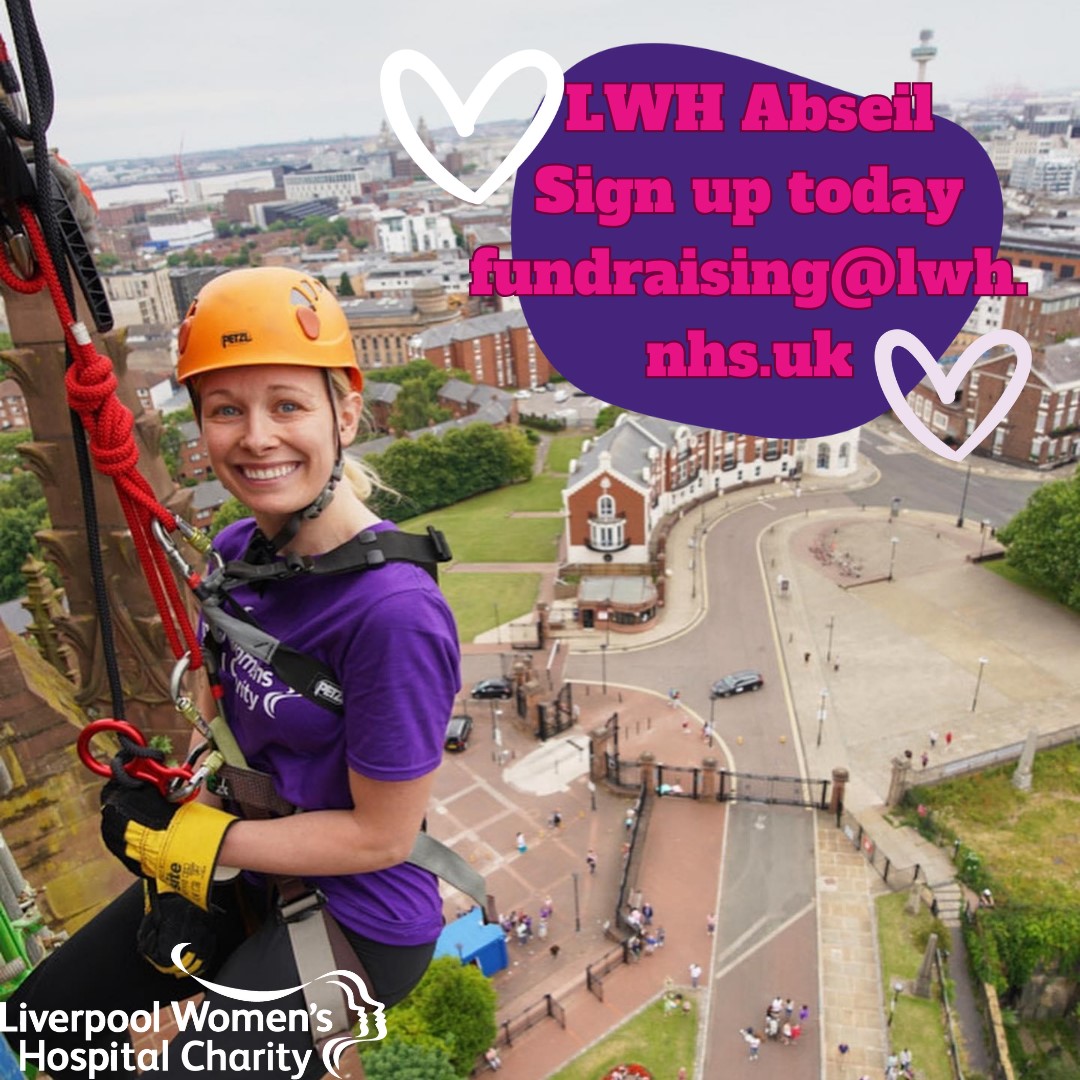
(301, 907)
(438, 542)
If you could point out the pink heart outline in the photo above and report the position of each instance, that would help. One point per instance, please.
(947, 385)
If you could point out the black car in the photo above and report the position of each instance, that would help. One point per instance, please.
(499, 687)
(458, 730)
(736, 683)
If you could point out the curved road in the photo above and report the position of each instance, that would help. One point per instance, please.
(767, 934)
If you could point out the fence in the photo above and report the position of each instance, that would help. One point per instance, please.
(529, 1017)
(988, 758)
(785, 790)
(950, 1037)
(683, 781)
(595, 972)
(896, 877)
(634, 856)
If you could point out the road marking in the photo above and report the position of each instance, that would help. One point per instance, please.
(764, 941)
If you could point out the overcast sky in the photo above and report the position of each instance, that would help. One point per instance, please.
(135, 78)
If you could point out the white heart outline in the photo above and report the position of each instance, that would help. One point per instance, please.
(947, 385)
(463, 114)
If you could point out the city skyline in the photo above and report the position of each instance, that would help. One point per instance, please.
(232, 76)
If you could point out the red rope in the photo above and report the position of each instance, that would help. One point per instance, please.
(91, 388)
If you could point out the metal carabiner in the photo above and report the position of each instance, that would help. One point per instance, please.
(168, 779)
(197, 539)
(185, 705)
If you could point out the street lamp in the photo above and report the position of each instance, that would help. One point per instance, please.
(897, 990)
(830, 624)
(963, 498)
(892, 557)
(983, 661)
(821, 714)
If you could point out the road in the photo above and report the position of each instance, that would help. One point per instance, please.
(924, 484)
(766, 940)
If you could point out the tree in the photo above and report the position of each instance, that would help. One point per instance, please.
(396, 1059)
(1043, 539)
(455, 1002)
(229, 511)
(415, 407)
(345, 286)
(606, 418)
(171, 438)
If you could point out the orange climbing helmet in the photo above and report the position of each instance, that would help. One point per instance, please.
(265, 315)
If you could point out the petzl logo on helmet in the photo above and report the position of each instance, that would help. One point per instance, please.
(240, 338)
(357, 1001)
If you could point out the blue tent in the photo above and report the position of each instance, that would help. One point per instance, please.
(470, 940)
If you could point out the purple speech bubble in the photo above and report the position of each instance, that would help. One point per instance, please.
(599, 342)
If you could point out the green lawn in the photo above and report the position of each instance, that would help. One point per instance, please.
(481, 529)
(662, 1044)
(918, 1023)
(562, 450)
(1027, 843)
(475, 598)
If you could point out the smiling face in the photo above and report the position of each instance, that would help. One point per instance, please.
(270, 433)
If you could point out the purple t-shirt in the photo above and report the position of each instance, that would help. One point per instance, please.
(389, 638)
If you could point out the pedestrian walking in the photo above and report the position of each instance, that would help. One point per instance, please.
(541, 928)
(686, 725)
(948, 739)
(554, 950)
(843, 1048)
(804, 1013)
(682, 1073)
(628, 821)
(710, 923)
(646, 913)
(752, 1041)
(806, 658)
(520, 841)
(660, 937)
(785, 1034)
(707, 733)
(772, 1026)
(491, 1056)
(925, 759)
(547, 908)
(789, 1008)
(933, 739)
(556, 819)
(695, 975)
(590, 860)
(796, 1032)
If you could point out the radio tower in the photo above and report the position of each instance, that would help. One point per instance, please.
(923, 53)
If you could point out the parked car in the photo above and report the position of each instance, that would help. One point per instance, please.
(561, 396)
(458, 730)
(523, 395)
(736, 683)
(498, 687)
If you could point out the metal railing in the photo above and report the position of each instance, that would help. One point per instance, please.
(896, 877)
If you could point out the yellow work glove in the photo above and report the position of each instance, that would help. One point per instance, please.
(176, 843)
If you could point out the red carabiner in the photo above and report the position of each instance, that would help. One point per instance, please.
(165, 778)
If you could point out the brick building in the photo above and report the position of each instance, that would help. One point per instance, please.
(1041, 429)
(194, 457)
(633, 477)
(13, 414)
(382, 329)
(497, 349)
